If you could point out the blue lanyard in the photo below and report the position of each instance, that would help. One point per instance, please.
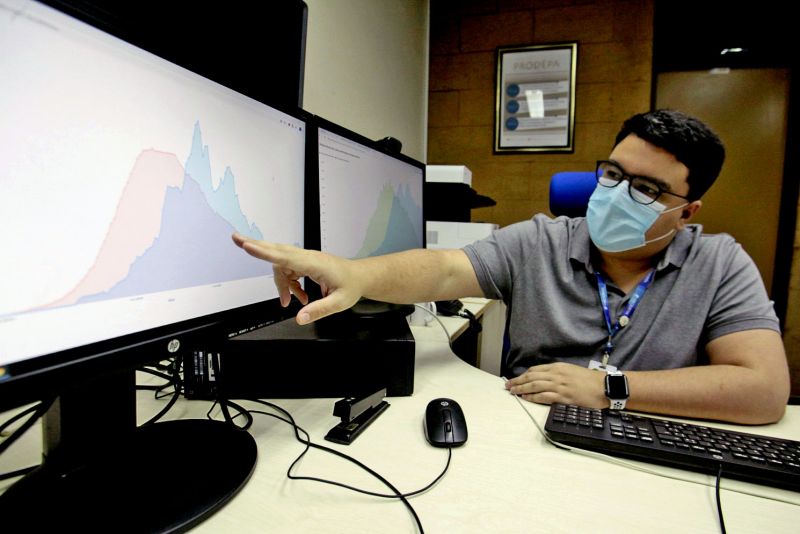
(624, 319)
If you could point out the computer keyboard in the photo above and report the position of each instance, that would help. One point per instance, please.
(750, 457)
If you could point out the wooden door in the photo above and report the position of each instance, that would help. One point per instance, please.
(748, 109)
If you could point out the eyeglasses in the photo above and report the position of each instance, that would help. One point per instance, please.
(642, 189)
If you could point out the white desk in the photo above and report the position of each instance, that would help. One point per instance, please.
(492, 316)
(506, 478)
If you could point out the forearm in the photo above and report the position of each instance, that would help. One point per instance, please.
(719, 392)
(420, 275)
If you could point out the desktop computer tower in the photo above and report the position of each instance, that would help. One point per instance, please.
(340, 356)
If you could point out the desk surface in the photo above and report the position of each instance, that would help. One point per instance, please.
(506, 478)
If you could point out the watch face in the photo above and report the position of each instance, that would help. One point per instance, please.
(617, 387)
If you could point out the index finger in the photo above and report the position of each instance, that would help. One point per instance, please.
(271, 252)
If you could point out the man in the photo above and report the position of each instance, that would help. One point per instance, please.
(631, 295)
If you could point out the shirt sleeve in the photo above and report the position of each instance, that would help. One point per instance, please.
(492, 266)
(741, 301)
(498, 257)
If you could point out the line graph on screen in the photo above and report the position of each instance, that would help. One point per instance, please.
(152, 244)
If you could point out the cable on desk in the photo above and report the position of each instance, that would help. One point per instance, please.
(38, 411)
(351, 459)
(172, 379)
(20, 415)
(242, 412)
(719, 502)
(435, 316)
(3, 427)
(18, 472)
(224, 404)
(224, 407)
(635, 467)
(308, 443)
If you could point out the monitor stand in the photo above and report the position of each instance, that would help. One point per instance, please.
(376, 309)
(105, 474)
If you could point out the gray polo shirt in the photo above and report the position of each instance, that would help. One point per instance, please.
(705, 286)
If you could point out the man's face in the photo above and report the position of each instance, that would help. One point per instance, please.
(638, 157)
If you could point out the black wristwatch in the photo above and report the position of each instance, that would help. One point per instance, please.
(617, 390)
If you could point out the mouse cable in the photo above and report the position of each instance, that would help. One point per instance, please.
(308, 443)
(623, 463)
(435, 316)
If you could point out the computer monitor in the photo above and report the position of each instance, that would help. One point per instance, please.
(123, 177)
(370, 199)
(255, 48)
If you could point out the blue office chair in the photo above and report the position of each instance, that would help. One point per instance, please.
(570, 192)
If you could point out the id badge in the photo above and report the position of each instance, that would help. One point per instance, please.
(594, 364)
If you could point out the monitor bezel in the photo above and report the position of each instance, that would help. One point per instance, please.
(134, 23)
(313, 233)
(49, 375)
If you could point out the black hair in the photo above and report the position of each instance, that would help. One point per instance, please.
(691, 141)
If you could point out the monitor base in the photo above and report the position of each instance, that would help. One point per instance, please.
(377, 309)
(166, 477)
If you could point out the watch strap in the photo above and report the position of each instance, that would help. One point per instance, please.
(617, 403)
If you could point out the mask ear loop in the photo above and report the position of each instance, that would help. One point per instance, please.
(663, 209)
(671, 231)
(675, 208)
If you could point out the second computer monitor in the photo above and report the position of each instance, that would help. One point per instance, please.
(370, 198)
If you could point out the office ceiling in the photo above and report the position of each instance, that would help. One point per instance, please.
(691, 35)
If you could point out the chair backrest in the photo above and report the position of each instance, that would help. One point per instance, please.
(570, 192)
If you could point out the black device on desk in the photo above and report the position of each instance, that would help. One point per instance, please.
(444, 424)
(336, 357)
(745, 456)
(456, 308)
(138, 171)
(356, 414)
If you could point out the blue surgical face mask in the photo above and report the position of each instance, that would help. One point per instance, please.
(618, 223)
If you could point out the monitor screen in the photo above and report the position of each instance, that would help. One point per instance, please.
(123, 179)
(370, 199)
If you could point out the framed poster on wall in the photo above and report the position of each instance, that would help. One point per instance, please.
(535, 98)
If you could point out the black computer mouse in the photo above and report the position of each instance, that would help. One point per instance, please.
(444, 423)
